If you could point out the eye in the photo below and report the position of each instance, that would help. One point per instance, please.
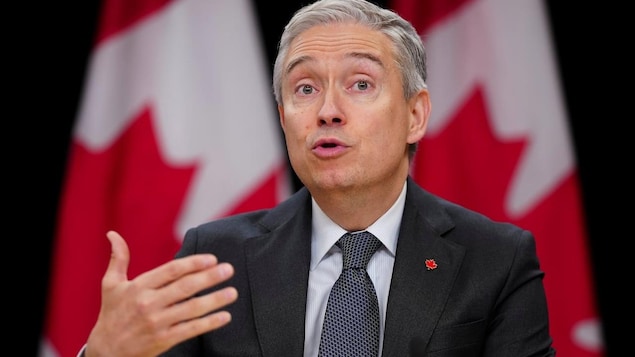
(306, 89)
(362, 85)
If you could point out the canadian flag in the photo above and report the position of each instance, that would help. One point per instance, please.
(498, 142)
(177, 126)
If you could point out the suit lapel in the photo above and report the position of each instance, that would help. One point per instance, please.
(418, 294)
(278, 269)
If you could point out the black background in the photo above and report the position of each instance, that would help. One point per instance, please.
(46, 67)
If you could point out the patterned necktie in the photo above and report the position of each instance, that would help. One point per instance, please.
(351, 322)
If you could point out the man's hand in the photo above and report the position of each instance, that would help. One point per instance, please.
(155, 311)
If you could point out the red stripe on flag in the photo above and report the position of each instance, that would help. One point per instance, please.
(142, 163)
(107, 190)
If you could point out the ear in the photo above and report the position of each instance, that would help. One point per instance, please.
(281, 116)
(420, 108)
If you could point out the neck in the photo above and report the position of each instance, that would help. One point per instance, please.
(355, 209)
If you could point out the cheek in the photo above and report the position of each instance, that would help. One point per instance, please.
(390, 132)
(296, 129)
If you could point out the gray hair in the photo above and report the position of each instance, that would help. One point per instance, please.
(409, 51)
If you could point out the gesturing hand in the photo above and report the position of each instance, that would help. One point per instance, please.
(153, 312)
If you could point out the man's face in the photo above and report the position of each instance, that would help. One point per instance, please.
(347, 124)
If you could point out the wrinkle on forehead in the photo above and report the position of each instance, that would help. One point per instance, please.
(353, 55)
(341, 40)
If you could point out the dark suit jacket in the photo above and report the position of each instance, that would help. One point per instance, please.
(485, 298)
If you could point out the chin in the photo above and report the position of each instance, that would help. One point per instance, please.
(333, 181)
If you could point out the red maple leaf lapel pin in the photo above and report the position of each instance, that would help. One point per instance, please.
(431, 264)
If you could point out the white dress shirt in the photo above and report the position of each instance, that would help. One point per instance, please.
(326, 266)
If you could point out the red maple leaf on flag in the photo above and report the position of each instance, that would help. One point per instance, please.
(481, 180)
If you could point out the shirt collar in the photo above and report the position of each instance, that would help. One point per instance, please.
(325, 232)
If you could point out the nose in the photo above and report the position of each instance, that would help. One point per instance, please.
(330, 112)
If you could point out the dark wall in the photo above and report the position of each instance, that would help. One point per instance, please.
(51, 83)
(591, 65)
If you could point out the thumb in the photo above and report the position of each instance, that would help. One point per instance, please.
(117, 270)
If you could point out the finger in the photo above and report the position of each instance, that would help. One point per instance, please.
(117, 270)
(209, 320)
(186, 287)
(202, 305)
(176, 269)
(181, 292)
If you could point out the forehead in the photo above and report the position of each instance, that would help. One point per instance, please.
(338, 41)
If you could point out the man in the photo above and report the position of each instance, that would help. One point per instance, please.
(349, 81)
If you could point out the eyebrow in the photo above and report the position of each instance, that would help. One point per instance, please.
(297, 61)
(361, 55)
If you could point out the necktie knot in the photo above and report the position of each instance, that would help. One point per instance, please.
(357, 249)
